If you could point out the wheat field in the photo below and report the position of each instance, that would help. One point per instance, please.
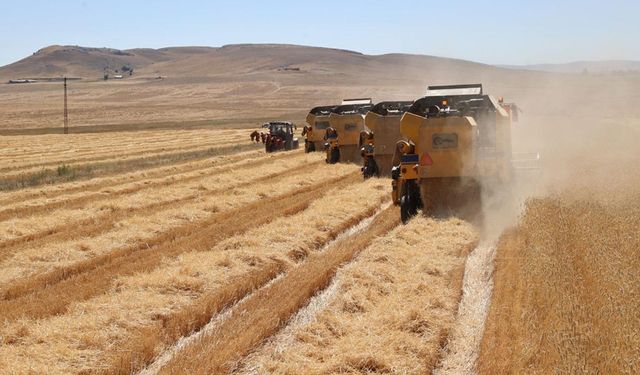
(567, 292)
(116, 247)
(194, 251)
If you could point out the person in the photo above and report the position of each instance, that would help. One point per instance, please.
(255, 136)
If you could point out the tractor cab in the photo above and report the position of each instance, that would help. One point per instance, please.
(280, 136)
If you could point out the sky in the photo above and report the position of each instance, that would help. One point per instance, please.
(494, 32)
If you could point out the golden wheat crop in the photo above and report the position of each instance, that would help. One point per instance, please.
(567, 296)
(387, 312)
(92, 334)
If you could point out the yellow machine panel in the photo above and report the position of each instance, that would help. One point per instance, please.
(386, 130)
(348, 127)
(318, 119)
(383, 122)
(450, 145)
(348, 122)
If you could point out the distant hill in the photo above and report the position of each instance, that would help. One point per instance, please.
(583, 67)
(87, 62)
(242, 59)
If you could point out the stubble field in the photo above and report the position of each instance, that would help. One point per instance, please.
(179, 250)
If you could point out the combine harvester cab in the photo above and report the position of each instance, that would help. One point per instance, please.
(377, 145)
(280, 136)
(347, 120)
(456, 138)
(317, 124)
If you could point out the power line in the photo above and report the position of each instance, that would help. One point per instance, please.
(66, 113)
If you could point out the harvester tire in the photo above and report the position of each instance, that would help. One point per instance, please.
(410, 201)
(371, 169)
(334, 156)
(309, 147)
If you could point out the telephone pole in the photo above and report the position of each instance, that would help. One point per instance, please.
(66, 113)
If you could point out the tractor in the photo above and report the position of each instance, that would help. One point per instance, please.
(347, 122)
(455, 137)
(280, 136)
(377, 144)
(317, 124)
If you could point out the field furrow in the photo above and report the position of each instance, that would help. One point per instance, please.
(260, 315)
(388, 311)
(93, 195)
(55, 260)
(202, 186)
(13, 181)
(75, 156)
(52, 292)
(55, 144)
(44, 194)
(128, 225)
(139, 311)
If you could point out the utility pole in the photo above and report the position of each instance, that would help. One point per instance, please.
(66, 113)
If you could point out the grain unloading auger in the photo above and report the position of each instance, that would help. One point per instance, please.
(457, 140)
(378, 143)
(343, 135)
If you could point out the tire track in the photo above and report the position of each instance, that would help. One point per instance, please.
(264, 312)
(58, 289)
(463, 347)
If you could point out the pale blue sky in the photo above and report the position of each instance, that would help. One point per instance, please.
(495, 32)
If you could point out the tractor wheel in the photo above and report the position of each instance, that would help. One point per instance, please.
(370, 169)
(335, 156)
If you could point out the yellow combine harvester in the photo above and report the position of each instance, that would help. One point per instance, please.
(346, 123)
(317, 124)
(378, 144)
(456, 136)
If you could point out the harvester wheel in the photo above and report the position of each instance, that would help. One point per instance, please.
(410, 201)
(335, 156)
(371, 169)
(309, 147)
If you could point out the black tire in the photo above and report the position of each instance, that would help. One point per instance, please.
(410, 201)
(405, 212)
(335, 156)
(371, 169)
(309, 147)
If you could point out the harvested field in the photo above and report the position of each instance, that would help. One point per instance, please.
(355, 330)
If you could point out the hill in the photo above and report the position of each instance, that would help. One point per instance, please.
(90, 63)
(608, 66)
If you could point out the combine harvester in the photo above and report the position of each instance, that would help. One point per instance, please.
(317, 124)
(378, 143)
(343, 136)
(280, 136)
(456, 138)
